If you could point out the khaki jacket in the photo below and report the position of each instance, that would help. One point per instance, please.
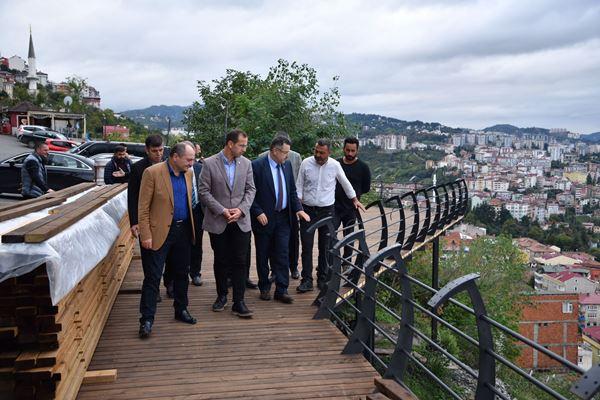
(155, 204)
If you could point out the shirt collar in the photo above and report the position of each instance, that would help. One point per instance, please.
(171, 172)
(271, 161)
(225, 160)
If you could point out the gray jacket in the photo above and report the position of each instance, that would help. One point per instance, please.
(33, 176)
(216, 195)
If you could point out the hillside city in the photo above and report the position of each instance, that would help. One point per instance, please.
(541, 186)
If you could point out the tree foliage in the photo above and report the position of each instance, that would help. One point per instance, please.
(288, 99)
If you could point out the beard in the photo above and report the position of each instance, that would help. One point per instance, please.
(350, 158)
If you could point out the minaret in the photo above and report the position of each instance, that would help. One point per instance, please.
(32, 78)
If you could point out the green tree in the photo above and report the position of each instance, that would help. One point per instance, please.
(288, 98)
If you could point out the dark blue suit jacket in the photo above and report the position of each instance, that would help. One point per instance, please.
(264, 201)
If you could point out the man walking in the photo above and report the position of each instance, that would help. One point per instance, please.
(166, 230)
(359, 175)
(34, 177)
(316, 189)
(154, 154)
(227, 191)
(275, 208)
(196, 253)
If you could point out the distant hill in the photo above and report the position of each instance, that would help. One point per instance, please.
(373, 125)
(156, 116)
(514, 130)
(592, 137)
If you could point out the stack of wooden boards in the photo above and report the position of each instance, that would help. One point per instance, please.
(44, 349)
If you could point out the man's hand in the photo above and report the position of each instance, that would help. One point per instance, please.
(119, 173)
(50, 191)
(135, 231)
(147, 244)
(303, 215)
(262, 218)
(227, 214)
(358, 204)
(235, 214)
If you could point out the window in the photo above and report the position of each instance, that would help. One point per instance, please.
(59, 160)
(592, 315)
(592, 307)
(567, 307)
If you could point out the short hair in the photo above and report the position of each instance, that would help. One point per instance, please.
(154, 141)
(279, 141)
(234, 136)
(120, 148)
(179, 149)
(39, 144)
(351, 140)
(324, 142)
(284, 134)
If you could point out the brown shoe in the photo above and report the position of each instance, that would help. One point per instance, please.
(284, 298)
(265, 296)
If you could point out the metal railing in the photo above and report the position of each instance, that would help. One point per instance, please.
(354, 282)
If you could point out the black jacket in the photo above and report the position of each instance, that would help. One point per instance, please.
(133, 189)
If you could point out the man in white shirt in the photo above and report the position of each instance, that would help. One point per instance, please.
(316, 190)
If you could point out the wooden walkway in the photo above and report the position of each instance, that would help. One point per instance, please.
(281, 353)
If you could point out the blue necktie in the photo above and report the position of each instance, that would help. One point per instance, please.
(279, 205)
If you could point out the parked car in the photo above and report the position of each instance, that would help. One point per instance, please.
(89, 149)
(30, 128)
(63, 169)
(30, 138)
(60, 145)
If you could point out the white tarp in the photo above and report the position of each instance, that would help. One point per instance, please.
(69, 255)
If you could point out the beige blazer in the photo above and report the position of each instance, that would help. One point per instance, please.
(155, 204)
(216, 194)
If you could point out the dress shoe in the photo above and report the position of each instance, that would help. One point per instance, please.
(170, 291)
(265, 295)
(241, 310)
(197, 281)
(219, 304)
(304, 287)
(158, 298)
(145, 329)
(284, 298)
(295, 274)
(184, 316)
(251, 285)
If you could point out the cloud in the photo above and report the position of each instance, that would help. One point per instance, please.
(462, 63)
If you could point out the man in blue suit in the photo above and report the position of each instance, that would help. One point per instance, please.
(274, 208)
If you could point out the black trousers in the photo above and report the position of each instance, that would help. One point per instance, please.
(196, 253)
(272, 247)
(177, 248)
(315, 213)
(294, 250)
(230, 252)
(346, 218)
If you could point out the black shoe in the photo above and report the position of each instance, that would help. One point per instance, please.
(219, 304)
(251, 285)
(170, 291)
(265, 295)
(295, 274)
(158, 298)
(241, 310)
(284, 298)
(184, 316)
(145, 329)
(304, 287)
(197, 281)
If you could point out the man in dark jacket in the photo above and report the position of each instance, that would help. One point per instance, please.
(118, 168)
(154, 155)
(196, 253)
(34, 177)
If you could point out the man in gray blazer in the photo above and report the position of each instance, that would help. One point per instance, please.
(227, 190)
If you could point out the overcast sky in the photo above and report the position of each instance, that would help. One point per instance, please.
(462, 63)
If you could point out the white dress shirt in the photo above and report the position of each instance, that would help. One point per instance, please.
(274, 173)
(316, 183)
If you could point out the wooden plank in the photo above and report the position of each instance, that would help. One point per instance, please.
(377, 396)
(29, 208)
(101, 376)
(63, 193)
(394, 390)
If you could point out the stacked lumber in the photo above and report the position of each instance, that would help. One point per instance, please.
(45, 349)
(14, 210)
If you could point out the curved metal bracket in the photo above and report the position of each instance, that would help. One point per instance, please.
(329, 299)
(410, 241)
(384, 223)
(465, 199)
(445, 216)
(438, 208)
(454, 204)
(425, 228)
(487, 365)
